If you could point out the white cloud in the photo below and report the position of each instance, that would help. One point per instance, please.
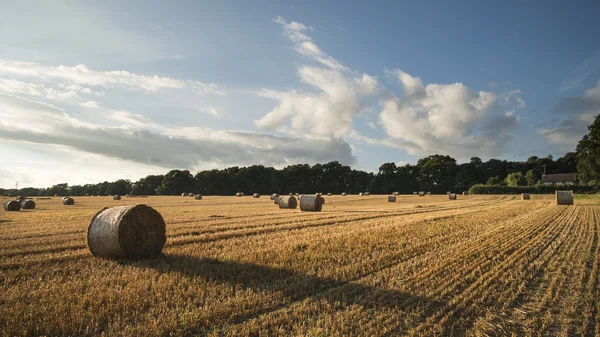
(143, 141)
(90, 104)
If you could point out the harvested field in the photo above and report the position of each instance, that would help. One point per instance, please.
(477, 266)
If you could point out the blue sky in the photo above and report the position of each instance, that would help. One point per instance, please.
(116, 89)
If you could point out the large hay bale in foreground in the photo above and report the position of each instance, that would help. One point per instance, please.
(311, 203)
(127, 232)
(276, 200)
(288, 202)
(116, 197)
(391, 198)
(255, 195)
(525, 196)
(12, 206)
(198, 197)
(274, 195)
(68, 201)
(27, 204)
(421, 193)
(564, 197)
(452, 196)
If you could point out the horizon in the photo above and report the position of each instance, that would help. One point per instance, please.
(93, 92)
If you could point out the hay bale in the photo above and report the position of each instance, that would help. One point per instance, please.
(421, 193)
(322, 201)
(329, 194)
(391, 198)
(452, 196)
(564, 197)
(274, 195)
(525, 196)
(12, 206)
(256, 195)
(343, 194)
(127, 232)
(361, 194)
(297, 194)
(311, 203)
(183, 194)
(198, 197)
(289, 202)
(239, 194)
(68, 201)
(191, 195)
(276, 200)
(27, 204)
(367, 194)
(21, 198)
(465, 193)
(428, 193)
(291, 194)
(396, 194)
(415, 193)
(116, 197)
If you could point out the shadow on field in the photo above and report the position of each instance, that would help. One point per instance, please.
(293, 285)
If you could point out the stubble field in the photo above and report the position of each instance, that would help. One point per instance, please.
(423, 266)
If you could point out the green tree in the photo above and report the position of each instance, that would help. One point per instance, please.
(588, 150)
(147, 185)
(437, 173)
(119, 187)
(530, 177)
(492, 181)
(515, 179)
(176, 182)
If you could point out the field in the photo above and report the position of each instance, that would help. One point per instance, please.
(423, 266)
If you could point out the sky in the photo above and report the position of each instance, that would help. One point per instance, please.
(95, 91)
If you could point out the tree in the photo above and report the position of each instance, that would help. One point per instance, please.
(147, 185)
(176, 182)
(530, 177)
(437, 173)
(60, 189)
(588, 149)
(494, 181)
(515, 179)
(119, 187)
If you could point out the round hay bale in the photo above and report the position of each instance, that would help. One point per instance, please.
(12, 206)
(27, 204)
(116, 197)
(198, 197)
(255, 195)
(183, 194)
(297, 194)
(68, 201)
(343, 194)
(465, 193)
(291, 194)
(21, 198)
(322, 201)
(396, 194)
(274, 195)
(276, 200)
(564, 197)
(415, 193)
(311, 203)
(56, 195)
(428, 193)
(191, 195)
(289, 202)
(391, 198)
(63, 198)
(452, 196)
(525, 196)
(367, 194)
(361, 194)
(421, 193)
(127, 232)
(329, 194)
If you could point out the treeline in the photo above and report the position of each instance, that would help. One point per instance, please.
(435, 173)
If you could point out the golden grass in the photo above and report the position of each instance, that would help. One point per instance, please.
(423, 266)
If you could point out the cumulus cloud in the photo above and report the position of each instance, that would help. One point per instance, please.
(90, 104)
(447, 118)
(83, 76)
(580, 112)
(142, 141)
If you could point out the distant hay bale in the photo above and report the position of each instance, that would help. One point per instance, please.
(191, 195)
(27, 204)
(465, 193)
(367, 194)
(183, 194)
(116, 197)
(421, 193)
(396, 193)
(274, 195)
(291, 194)
(255, 195)
(322, 201)
(276, 200)
(361, 194)
(525, 196)
(448, 192)
(391, 198)
(318, 194)
(343, 194)
(20, 198)
(428, 193)
(288, 202)
(329, 194)
(564, 197)
(198, 197)
(311, 203)
(127, 232)
(68, 201)
(452, 196)
(415, 193)
(63, 198)
(56, 195)
(297, 194)
(239, 194)
(12, 206)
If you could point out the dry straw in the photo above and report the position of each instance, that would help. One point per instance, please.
(564, 197)
(288, 202)
(391, 198)
(311, 203)
(127, 232)
(27, 204)
(12, 206)
(525, 196)
(68, 201)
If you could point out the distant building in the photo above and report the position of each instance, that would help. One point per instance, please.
(561, 178)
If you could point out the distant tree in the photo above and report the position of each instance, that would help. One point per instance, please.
(437, 173)
(119, 187)
(530, 177)
(147, 185)
(492, 181)
(515, 179)
(176, 182)
(60, 189)
(588, 149)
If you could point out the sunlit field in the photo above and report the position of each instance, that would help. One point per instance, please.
(422, 266)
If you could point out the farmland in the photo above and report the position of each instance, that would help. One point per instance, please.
(422, 266)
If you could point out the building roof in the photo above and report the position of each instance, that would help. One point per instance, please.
(559, 178)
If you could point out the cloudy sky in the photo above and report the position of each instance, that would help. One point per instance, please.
(101, 90)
